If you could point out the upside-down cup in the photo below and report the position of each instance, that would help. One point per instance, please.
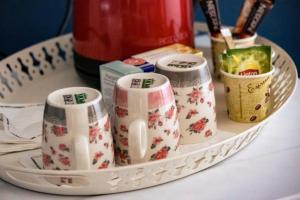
(76, 134)
(194, 95)
(247, 97)
(76, 131)
(218, 46)
(146, 125)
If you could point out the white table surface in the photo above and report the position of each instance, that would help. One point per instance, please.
(269, 168)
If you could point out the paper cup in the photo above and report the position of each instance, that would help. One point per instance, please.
(247, 97)
(218, 46)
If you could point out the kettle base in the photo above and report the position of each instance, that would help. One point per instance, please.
(88, 69)
(87, 65)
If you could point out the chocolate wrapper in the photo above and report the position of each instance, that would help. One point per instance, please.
(259, 10)
(244, 14)
(210, 10)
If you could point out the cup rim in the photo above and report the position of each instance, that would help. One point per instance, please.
(203, 63)
(165, 83)
(237, 41)
(51, 102)
(248, 77)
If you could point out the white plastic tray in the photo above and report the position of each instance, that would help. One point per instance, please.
(26, 80)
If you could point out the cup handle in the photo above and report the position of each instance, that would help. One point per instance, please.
(137, 140)
(81, 152)
(78, 125)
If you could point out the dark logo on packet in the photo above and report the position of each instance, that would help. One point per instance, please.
(212, 12)
(257, 17)
(181, 64)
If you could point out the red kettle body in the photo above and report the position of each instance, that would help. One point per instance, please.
(107, 30)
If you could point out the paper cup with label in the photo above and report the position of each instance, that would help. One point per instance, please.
(145, 125)
(194, 94)
(218, 46)
(247, 96)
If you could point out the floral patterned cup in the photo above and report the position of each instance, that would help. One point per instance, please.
(194, 94)
(145, 121)
(76, 131)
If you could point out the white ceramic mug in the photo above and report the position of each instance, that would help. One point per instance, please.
(145, 121)
(194, 94)
(76, 131)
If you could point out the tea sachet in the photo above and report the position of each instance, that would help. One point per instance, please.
(247, 61)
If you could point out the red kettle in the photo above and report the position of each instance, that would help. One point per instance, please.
(107, 30)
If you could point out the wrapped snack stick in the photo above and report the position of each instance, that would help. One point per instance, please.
(210, 10)
(259, 10)
(244, 14)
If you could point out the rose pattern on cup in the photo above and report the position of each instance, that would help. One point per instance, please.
(208, 133)
(47, 160)
(58, 156)
(161, 154)
(191, 113)
(96, 157)
(154, 119)
(59, 130)
(63, 147)
(122, 156)
(64, 160)
(156, 141)
(121, 112)
(195, 96)
(198, 126)
(104, 164)
(197, 117)
(94, 133)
